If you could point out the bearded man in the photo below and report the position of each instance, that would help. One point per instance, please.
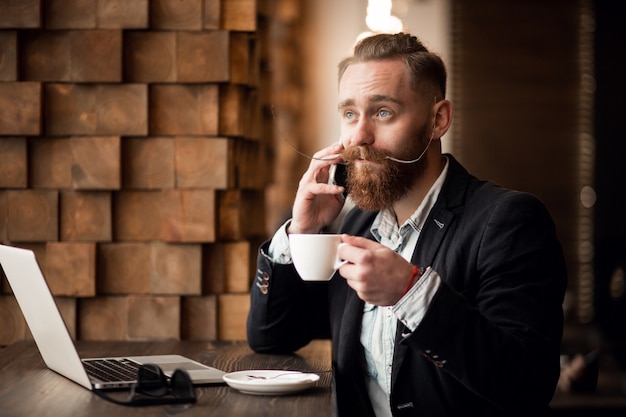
(450, 299)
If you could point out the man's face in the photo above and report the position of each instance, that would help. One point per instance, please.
(381, 114)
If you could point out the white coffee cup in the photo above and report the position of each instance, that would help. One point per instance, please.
(315, 255)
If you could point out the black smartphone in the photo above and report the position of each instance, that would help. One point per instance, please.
(338, 175)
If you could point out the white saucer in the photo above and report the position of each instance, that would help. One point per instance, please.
(280, 382)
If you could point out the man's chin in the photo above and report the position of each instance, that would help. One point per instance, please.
(372, 201)
(365, 206)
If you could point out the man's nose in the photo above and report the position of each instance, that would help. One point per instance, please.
(361, 134)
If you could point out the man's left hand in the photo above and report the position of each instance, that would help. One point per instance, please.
(377, 274)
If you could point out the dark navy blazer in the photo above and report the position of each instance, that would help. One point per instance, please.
(489, 343)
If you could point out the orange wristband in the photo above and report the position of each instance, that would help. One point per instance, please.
(416, 271)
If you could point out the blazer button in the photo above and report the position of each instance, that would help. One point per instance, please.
(263, 281)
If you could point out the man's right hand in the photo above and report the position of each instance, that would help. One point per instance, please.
(317, 203)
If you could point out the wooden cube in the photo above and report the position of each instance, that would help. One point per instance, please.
(70, 109)
(122, 109)
(148, 163)
(96, 163)
(8, 55)
(102, 109)
(122, 14)
(175, 269)
(176, 14)
(77, 55)
(67, 308)
(77, 14)
(250, 156)
(103, 318)
(70, 268)
(188, 215)
(123, 268)
(232, 315)
(168, 215)
(255, 127)
(229, 267)
(203, 56)
(13, 163)
(239, 266)
(199, 318)
(14, 327)
(86, 216)
(212, 14)
(213, 269)
(137, 215)
(4, 216)
(242, 59)
(204, 163)
(150, 57)
(32, 216)
(20, 14)
(239, 15)
(50, 163)
(129, 318)
(150, 268)
(45, 55)
(153, 318)
(21, 108)
(184, 109)
(96, 56)
(241, 214)
(233, 110)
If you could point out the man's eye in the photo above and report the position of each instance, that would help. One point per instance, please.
(384, 113)
(349, 115)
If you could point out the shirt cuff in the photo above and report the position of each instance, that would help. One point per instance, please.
(279, 251)
(411, 308)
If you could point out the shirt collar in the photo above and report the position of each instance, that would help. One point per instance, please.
(385, 226)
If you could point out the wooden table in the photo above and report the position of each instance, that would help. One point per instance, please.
(28, 388)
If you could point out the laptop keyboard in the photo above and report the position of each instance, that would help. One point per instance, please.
(112, 370)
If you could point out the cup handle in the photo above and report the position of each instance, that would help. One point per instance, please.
(339, 263)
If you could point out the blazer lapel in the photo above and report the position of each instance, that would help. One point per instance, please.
(432, 235)
(435, 229)
(441, 216)
(424, 254)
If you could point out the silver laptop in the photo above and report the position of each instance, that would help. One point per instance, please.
(56, 345)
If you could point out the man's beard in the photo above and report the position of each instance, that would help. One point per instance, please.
(381, 182)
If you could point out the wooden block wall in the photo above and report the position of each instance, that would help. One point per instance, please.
(131, 136)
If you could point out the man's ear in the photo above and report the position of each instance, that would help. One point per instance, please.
(443, 118)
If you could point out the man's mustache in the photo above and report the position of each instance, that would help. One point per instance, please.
(358, 153)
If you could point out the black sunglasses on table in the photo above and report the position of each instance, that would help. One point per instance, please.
(153, 388)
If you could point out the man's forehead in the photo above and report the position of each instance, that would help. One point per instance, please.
(375, 80)
(382, 69)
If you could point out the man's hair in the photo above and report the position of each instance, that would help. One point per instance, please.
(426, 69)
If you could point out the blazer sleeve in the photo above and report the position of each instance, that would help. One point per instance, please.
(286, 312)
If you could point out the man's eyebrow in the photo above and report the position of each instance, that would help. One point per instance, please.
(375, 98)
(345, 103)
